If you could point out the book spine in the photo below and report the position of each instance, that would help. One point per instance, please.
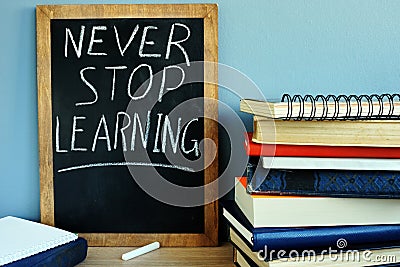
(356, 237)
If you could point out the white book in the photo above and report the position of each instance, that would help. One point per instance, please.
(21, 238)
(371, 164)
(294, 211)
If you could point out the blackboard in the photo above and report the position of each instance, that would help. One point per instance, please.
(110, 79)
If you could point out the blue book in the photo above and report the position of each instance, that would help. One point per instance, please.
(316, 238)
(244, 257)
(67, 255)
(333, 183)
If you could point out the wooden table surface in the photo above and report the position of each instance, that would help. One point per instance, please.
(199, 256)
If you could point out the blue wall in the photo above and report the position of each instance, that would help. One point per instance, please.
(337, 46)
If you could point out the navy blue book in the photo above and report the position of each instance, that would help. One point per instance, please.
(244, 257)
(333, 183)
(316, 238)
(67, 255)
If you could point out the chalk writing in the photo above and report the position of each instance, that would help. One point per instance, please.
(102, 83)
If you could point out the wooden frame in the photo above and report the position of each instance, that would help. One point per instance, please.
(44, 14)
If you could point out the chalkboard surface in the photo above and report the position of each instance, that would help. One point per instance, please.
(108, 86)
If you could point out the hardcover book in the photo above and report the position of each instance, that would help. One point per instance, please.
(316, 238)
(333, 183)
(67, 255)
(301, 211)
(375, 257)
(320, 151)
(371, 133)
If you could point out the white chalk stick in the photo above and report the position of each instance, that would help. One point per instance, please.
(140, 251)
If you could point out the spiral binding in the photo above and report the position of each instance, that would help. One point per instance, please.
(349, 100)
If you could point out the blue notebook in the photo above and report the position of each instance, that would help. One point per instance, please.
(317, 238)
(67, 255)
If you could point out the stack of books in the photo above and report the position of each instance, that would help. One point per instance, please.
(323, 183)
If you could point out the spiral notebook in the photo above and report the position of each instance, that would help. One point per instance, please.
(21, 238)
(308, 107)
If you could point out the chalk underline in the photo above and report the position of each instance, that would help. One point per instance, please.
(110, 164)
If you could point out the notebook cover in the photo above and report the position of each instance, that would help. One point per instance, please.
(67, 255)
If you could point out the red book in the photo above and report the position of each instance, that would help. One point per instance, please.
(256, 149)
